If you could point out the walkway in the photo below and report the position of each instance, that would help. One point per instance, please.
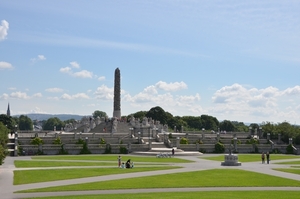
(7, 188)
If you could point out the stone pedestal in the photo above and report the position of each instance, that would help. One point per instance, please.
(231, 160)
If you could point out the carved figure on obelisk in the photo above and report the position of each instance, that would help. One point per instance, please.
(117, 95)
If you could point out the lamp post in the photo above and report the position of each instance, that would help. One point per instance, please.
(16, 131)
(139, 136)
(260, 132)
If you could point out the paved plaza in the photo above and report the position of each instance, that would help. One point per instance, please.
(7, 188)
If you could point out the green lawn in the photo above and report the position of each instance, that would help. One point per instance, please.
(185, 195)
(113, 158)
(290, 162)
(253, 157)
(294, 171)
(62, 163)
(206, 178)
(45, 175)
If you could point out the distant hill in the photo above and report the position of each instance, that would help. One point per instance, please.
(40, 117)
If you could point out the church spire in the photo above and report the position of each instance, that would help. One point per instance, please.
(8, 111)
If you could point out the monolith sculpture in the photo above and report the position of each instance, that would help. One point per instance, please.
(117, 95)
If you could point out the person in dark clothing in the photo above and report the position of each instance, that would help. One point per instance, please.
(128, 165)
(268, 157)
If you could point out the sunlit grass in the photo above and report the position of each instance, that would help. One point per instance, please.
(294, 171)
(44, 175)
(31, 163)
(252, 157)
(206, 178)
(185, 195)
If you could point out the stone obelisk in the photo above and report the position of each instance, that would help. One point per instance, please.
(117, 95)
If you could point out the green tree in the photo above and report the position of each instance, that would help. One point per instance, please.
(193, 122)
(3, 141)
(157, 113)
(139, 115)
(7, 121)
(51, 122)
(99, 114)
(209, 122)
(25, 123)
(226, 125)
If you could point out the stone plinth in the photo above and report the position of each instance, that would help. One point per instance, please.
(231, 160)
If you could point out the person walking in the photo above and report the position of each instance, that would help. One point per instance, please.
(119, 161)
(173, 152)
(263, 158)
(268, 157)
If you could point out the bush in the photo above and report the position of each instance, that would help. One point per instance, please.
(184, 141)
(219, 147)
(123, 150)
(170, 135)
(290, 149)
(3, 154)
(62, 151)
(252, 141)
(37, 141)
(57, 141)
(102, 141)
(107, 149)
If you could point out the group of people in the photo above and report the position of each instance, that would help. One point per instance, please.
(127, 165)
(264, 156)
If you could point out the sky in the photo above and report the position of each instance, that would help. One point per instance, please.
(233, 60)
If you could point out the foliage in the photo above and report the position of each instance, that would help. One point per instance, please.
(3, 154)
(25, 123)
(7, 121)
(252, 141)
(37, 141)
(102, 141)
(107, 149)
(290, 149)
(184, 141)
(226, 125)
(170, 135)
(51, 122)
(85, 149)
(57, 141)
(62, 150)
(219, 147)
(157, 113)
(99, 114)
(123, 150)
(139, 115)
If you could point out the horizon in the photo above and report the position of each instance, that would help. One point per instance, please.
(236, 61)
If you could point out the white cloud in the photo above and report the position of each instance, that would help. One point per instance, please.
(5, 65)
(76, 96)
(37, 95)
(292, 91)
(3, 29)
(104, 93)
(80, 74)
(4, 96)
(171, 86)
(19, 95)
(67, 70)
(74, 64)
(54, 90)
(38, 58)
(83, 74)
(102, 78)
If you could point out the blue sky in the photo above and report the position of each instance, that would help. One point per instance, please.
(234, 60)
